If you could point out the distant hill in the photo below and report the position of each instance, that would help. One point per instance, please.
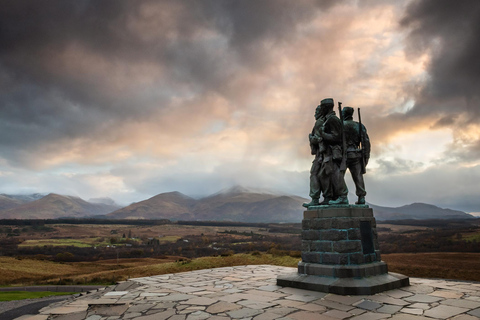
(232, 204)
(25, 197)
(171, 205)
(9, 201)
(54, 206)
(418, 211)
(249, 205)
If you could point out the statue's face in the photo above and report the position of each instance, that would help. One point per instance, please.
(318, 112)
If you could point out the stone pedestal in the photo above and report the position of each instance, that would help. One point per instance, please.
(340, 254)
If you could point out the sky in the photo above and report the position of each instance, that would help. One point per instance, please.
(129, 99)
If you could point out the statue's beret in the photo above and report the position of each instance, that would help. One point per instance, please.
(327, 101)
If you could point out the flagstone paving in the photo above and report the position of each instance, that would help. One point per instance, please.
(250, 292)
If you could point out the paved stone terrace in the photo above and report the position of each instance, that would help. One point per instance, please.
(250, 292)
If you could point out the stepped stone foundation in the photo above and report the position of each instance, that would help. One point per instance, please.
(340, 253)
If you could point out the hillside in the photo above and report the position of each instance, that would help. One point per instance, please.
(232, 204)
(171, 205)
(418, 211)
(55, 206)
(25, 197)
(8, 203)
(249, 205)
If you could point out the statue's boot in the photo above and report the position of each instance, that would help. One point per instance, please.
(325, 201)
(314, 202)
(340, 200)
(361, 200)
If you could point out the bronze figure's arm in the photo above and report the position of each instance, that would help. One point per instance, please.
(343, 164)
(361, 143)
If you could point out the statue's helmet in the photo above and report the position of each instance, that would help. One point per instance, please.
(347, 112)
(327, 102)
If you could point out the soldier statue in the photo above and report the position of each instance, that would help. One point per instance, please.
(357, 158)
(338, 144)
(317, 149)
(331, 177)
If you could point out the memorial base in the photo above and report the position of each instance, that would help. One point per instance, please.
(340, 254)
(345, 286)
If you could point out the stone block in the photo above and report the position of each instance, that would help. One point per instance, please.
(321, 246)
(354, 234)
(306, 245)
(378, 255)
(369, 258)
(316, 269)
(312, 257)
(347, 246)
(381, 267)
(343, 272)
(321, 224)
(307, 224)
(348, 212)
(337, 212)
(356, 258)
(345, 223)
(310, 214)
(310, 235)
(333, 235)
(335, 258)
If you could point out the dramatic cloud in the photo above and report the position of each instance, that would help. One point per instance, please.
(128, 99)
(448, 32)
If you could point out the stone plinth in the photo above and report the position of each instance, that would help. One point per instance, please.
(340, 253)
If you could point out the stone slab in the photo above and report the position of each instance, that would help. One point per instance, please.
(345, 286)
(337, 212)
(343, 271)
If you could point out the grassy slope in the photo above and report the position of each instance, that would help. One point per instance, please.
(461, 266)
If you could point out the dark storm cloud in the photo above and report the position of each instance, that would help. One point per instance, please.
(69, 69)
(449, 31)
(446, 121)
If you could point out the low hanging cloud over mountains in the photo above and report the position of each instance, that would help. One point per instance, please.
(129, 99)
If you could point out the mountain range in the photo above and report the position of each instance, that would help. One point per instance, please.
(51, 206)
(233, 204)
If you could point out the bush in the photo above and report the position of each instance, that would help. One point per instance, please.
(64, 256)
(227, 253)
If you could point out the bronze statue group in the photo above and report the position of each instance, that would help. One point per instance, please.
(338, 143)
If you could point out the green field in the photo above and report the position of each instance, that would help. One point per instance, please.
(21, 295)
(474, 236)
(83, 242)
(56, 242)
(169, 239)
